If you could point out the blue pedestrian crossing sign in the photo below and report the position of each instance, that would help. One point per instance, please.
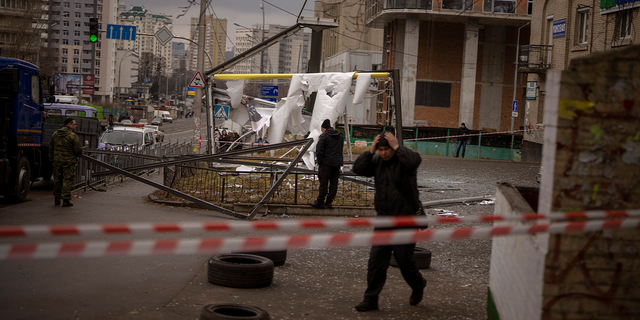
(121, 32)
(221, 112)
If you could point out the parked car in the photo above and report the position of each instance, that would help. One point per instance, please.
(143, 121)
(130, 138)
(127, 122)
(156, 121)
(159, 134)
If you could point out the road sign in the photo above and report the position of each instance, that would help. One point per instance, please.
(270, 91)
(270, 99)
(197, 81)
(514, 106)
(221, 112)
(514, 114)
(164, 35)
(121, 32)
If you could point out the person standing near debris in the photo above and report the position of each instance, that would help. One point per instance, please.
(64, 149)
(329, 155)
(395, 171)
(462, 141)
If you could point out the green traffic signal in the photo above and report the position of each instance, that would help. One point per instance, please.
(93, 29)
(93, 38)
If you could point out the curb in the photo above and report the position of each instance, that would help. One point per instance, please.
(292, 210)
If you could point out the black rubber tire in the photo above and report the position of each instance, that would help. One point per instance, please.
(21, 179)
(232, 311)
(239, 270)
(278, 257)
(422, 257)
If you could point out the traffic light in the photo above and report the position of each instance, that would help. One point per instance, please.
(93, 30)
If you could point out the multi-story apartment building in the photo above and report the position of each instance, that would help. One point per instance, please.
(147, 24)
(290, 55)
(561, 31)
(215, 42)
(456, 59)
(179, 56)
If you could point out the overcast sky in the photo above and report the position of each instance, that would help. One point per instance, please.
(243, 12)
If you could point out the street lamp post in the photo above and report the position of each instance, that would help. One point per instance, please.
(515, 76)
(120, 74)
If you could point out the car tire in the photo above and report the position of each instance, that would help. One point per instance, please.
(239, 270)
(422, 257)
(278, 257)
(230, 311)
(21, 182)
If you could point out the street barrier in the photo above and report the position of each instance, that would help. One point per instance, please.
(40, 231)
(276, 243)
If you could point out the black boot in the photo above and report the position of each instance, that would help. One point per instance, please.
(56, 202)
(317, 204)
(329, 204)
(66, 203)
(367, 306)
(416, 295)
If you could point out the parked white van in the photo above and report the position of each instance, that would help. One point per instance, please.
(164, 115)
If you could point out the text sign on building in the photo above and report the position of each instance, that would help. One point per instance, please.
(559, 28)
(531, 90)
(270, 91)
(88, 84)
(270, 99)
(121, 32)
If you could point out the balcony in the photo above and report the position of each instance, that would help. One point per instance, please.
(534, 58)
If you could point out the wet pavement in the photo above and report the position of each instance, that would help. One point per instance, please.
(314, 283)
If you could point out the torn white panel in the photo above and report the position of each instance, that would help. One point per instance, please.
(245, 168)
(362, 86)
(234, 90)
(282, 119)
(239, 115)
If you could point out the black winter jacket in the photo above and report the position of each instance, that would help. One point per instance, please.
(329, 148)
(395, 180)
(463, 131)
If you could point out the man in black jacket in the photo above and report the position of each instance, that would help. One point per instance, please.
(462, 141)
(395, 170)
(329, 155)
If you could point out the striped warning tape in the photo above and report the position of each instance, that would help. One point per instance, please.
(275, 243)
(33, 231)
(463, 135)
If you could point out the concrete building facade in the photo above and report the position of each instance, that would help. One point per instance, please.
(560, 32)
(215, 42)
(456, 59)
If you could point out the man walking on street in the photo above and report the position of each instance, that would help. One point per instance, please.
(462, 141)
(329, 155)
(64, 150)
(395, 170)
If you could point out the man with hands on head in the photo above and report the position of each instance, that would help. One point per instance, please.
(395, 170)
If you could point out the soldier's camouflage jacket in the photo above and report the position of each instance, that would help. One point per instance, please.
(65, 147)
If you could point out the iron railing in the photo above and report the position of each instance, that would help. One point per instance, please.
(534, 58)
(217, 186)
(374, 7)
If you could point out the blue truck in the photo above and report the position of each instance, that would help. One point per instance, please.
(25, 128)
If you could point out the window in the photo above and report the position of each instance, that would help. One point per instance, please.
(35, 89)
(75, 69)
(78, 15)
(78, 5)
(97, 63)
(64, 60)
(76, 42)
(65, 32)
(65, 41)
(65, 14)
(76, 60)
(65, 23)
(433, 94)
(76, 51)
(76, 33)
(625, 24)
(583, 26)
(65, 51)
(67, 5)
(500, 6)
(77, 24)
(458, 4)
(530, 7)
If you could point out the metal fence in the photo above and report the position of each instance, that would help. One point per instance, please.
(217, 186)
(88, 174)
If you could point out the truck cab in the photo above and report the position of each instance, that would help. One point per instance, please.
(21, 126)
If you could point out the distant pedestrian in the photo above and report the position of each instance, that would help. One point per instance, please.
(329, 155)
(64, 149)
(462, 141)
(395, 170)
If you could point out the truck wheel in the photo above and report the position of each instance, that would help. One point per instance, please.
(231, 311)
(22, 181)
(240, 270)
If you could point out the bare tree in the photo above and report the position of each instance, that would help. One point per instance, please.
(23, 22)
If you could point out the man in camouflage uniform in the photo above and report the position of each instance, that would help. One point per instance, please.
(64, 150)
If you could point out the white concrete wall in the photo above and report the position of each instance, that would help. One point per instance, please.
(517, 264)
(492, 74)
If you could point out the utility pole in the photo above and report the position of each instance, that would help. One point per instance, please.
(262, 53)
(202, 26)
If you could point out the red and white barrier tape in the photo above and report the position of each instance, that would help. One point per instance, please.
(32, 231)
(275, 243)
(464, 135)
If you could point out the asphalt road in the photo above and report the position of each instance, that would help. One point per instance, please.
(315, 283)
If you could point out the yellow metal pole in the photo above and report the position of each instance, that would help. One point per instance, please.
(233, 76)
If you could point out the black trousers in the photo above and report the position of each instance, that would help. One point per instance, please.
(379, 259)
(328, 176)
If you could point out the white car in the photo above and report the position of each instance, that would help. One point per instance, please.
(135, 137)
(159, 134)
